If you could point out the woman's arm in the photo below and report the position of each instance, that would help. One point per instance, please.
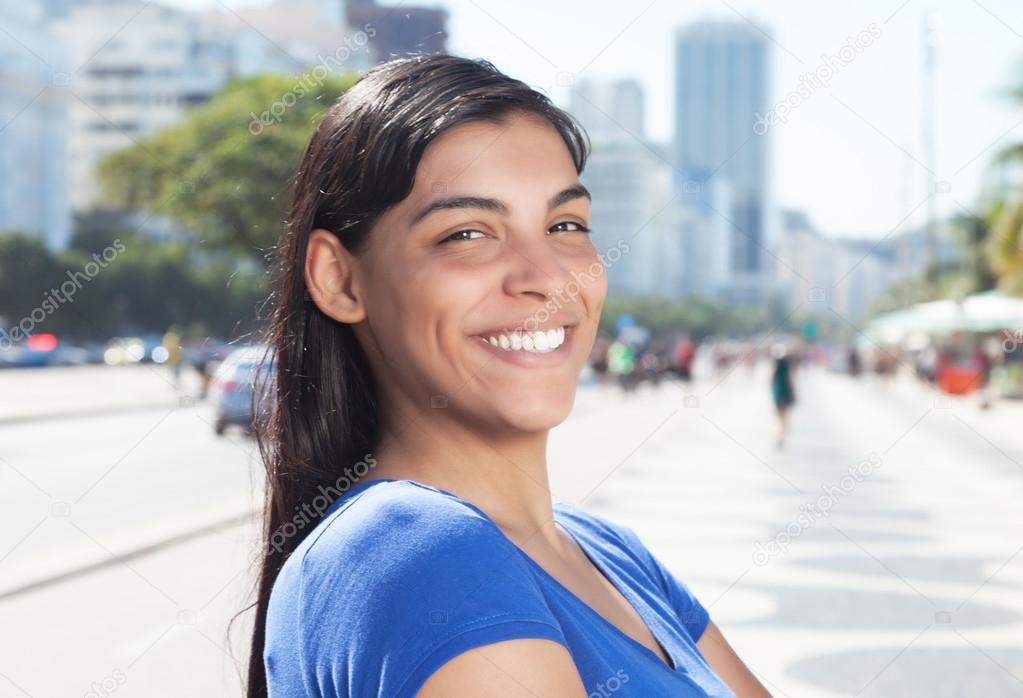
(727, 665)
(524, 668)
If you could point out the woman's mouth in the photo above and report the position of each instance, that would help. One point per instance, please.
(536, 342)
(537, 348)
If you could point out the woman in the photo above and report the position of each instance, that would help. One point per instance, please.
(437, 295)
(781, 389)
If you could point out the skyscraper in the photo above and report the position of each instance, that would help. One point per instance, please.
(33, 126)
(722, 72)
(630, 181)
(610, 110)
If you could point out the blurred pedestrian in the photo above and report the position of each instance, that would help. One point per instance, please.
(172, 346)
(781, 389)
(685, 352)
(621, 363)
(982, 361)
(853, 361)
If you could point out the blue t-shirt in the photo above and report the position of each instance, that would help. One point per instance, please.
(399, 577)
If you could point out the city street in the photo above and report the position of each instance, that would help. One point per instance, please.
(879, 553)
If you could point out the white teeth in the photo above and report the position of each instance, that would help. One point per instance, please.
(537, 342)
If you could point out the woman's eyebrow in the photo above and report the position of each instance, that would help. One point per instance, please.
(576, 191)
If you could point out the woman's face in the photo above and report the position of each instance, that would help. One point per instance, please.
(492, 242)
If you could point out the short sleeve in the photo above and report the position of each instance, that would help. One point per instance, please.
(692, 615)
(400, 581)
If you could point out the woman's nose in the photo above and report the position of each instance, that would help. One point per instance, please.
(535, 267)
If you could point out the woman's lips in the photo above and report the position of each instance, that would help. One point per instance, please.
(528, 359)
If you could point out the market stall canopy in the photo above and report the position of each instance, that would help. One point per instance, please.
(990, 311)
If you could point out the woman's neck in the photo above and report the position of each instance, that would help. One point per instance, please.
(506, 477)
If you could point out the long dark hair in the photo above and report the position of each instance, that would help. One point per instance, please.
(322, 417)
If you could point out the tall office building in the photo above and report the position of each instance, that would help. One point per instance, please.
(610, 110)
(678, 244)
(722, 73)
(33, 126)
(630, 181)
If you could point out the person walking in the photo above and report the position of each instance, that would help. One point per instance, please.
(781, 389)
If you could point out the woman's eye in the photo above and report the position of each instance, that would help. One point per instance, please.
(561, 227)
(462, 235)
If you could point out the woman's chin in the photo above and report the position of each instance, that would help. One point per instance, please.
(539, 412)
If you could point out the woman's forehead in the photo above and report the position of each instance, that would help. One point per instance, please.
(477, 157)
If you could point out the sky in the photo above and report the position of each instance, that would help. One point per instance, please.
(852, 153)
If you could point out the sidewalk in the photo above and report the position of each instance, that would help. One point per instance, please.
(70, 391)
(909, 586)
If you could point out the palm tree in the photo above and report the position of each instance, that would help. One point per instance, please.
(1005, 244)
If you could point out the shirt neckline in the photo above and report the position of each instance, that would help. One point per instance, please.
(623, 589)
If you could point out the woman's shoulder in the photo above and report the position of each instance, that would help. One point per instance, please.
(395, 580)
(393, 528)
(406, 553)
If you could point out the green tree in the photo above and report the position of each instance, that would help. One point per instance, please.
(143, 286)
(1005, 248)
(224, 172)
(973, 233)
(27, 271)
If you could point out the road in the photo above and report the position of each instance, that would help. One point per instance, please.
(877, 554)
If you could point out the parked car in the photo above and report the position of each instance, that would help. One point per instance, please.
(36, 351)
(235, 385)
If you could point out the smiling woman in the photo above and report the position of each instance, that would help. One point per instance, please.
(437, 294)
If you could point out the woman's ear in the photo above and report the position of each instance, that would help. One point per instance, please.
(330, 278)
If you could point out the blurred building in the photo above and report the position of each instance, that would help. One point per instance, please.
(400, 30)
(722, 74)
(679, 237)
(136, 81)
(823, 275)
(33, 126)
(707, 234)
(609, 110)
(630, 180)
(863, 277)
(53, 9)
(290, 36)
(806, 261)
(131, 83)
